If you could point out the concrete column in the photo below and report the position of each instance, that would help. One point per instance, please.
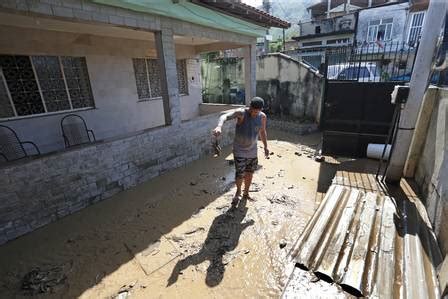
(421, 130)
(328, 8)
(250, 72)
(168, 75)
(431, 29)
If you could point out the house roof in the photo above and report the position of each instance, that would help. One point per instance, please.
(244, 11)
(201, 14)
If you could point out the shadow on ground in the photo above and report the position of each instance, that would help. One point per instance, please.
(93, 243)
(222, 237)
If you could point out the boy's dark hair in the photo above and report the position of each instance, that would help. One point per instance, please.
(257, 103)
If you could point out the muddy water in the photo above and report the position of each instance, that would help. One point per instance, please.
(178, 236)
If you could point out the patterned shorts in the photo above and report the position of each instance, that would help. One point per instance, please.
(243, 165)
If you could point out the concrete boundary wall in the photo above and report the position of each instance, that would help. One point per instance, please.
(432, 168)
(292, 126)
(290, 88)
(36, 192)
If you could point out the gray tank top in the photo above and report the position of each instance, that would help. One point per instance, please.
(246, 136)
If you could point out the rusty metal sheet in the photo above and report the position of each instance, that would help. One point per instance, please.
(330, 259)
(312, 239)
(370, 243)
(354, 275)
(383, 287)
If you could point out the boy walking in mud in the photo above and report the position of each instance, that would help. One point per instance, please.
(251, 123)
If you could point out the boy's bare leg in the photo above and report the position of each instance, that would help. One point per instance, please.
(247, 181)
(239, 183)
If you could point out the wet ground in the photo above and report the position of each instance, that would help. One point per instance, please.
(177, 236)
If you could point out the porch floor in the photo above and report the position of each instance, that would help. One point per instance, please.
(177, 236)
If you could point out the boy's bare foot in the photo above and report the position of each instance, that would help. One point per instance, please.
(236, 198)
(248, 197)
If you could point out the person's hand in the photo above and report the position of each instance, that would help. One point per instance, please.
(266, 152)
(217, 131)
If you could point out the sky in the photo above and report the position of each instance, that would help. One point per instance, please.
(254, 3)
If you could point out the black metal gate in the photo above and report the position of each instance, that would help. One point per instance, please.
(354, 115)
(357, 106)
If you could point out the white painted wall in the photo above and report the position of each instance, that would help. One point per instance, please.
(398, 12)
(189, 104)
(109, 61)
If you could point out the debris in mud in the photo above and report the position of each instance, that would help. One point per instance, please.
(198, 212)
(176, 238)
(279, 156)
(282, 244)
(281, 173)
(195, 230)
(319, 158)
(125, 290)
(205, 191)
(230, 256)
(223, 178)
(274, 222)
(271, 153)
(39, 281)
(309, 156)
(122, 295)
(222, 207)
(193, 183)
(269, 177)
(152, 249)
(314, 279)
(291, 187)
(231, 162)
(255, 187)
(280, 199)
(304, 178)
(297, 154)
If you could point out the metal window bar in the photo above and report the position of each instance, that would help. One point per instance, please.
(147, 76)
(38, 84)
(65, 83)
(3, 81)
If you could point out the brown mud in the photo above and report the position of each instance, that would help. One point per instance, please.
(177, 236)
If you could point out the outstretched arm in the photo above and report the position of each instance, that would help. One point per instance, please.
(230, 115)
(264, 135)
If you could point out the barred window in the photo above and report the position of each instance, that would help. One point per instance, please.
(380, 30)
(182, 77)
(147, 77)
(31, 85)
(415, 29)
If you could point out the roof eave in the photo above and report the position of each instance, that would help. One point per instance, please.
(244, 12)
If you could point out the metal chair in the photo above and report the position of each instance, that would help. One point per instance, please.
(74, 131)
(11, 148)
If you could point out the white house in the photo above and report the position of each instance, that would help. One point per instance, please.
(130, 69)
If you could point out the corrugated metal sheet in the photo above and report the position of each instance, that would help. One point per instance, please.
(370, 243)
